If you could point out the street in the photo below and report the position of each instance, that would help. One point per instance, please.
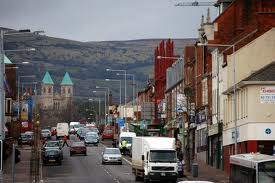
(88, 168)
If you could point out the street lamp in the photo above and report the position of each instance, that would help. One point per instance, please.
(125, 89)
(176, 58)
(116, 80)
(234, 86)
(2, 74)
(95, 91)
(108, 89)
(99, 107)
(134, 82)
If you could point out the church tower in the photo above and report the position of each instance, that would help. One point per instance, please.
(66, 89)
(47, 91)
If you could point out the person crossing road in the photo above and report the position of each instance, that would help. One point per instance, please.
(65, 141)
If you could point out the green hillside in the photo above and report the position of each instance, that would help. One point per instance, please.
(86, 61)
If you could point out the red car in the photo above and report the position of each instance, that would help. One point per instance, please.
(107, 134)
(78, 148)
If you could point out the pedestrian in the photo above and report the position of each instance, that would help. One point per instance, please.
(114, 143)
(65, 141)
(17, 154)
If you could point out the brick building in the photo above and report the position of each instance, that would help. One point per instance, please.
(240, 24)
(165, 49)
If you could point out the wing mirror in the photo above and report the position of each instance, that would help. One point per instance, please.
(142, 157)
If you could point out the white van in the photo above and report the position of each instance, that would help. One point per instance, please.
(62, 129)
(128, 136)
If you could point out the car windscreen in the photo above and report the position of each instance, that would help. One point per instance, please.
(108, 132)
(163, 156)
(128, 139)
(112, 151)
(78, 144)
(51, 152)
(26, 136)
(52, 144)
(91, 135)
(93, 130)
(45, 131)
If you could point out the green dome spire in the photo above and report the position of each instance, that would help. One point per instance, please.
(67, 80)
(47, 79)
(7, 60)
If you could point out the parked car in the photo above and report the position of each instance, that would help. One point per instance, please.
(25, 139)
(45, 133)
(107, 134)
(111, 155)
(91, 138)
(78, 148)
(52, 155)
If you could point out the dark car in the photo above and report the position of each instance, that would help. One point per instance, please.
(78, 148)
(52, 155)
(54, 144)
(83, 133)
(25, 139)
(91, 138)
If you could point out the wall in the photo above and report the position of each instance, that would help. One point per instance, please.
(249, 59)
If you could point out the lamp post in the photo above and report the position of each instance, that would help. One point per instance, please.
(116, 80)
(95, 91)
(134, 82)
(234, 88)
(108, 95)
(99, 110)
(125, 90)
(2, 74)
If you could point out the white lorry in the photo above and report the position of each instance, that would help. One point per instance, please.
(154, 158)
(62, 129)
(128, 136)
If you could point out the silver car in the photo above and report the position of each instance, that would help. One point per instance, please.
(111, 155)
(45, 133)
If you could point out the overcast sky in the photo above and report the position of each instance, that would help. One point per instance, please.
(102, 20)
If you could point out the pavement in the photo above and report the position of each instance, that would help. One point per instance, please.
(22, 169)
(207, 173)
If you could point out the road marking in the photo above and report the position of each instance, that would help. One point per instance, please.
(127, 161)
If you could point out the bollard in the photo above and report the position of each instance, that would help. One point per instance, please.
(195, 169)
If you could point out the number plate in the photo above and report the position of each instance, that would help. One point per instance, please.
(162, 174)
(52, 160)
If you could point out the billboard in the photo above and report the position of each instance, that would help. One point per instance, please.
(267, 95)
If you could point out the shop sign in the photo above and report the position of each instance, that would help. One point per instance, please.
(214, 129)
(267, 95)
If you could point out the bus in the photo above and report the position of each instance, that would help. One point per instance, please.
(252, 168)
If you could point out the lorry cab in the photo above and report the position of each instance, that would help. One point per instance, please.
(154, 158)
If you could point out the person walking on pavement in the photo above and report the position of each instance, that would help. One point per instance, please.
(65, 141)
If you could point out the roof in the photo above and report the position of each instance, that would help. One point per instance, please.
(66, 79)
(266, 73)
(47, 79)
(7, 60)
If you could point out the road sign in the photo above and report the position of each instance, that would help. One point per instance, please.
(121, 123)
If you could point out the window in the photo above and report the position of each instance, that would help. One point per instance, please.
(69, 91)
(44, 90)
(204, 92)
(63, 91)
(49, 90)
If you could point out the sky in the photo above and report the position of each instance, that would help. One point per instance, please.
(104, 20)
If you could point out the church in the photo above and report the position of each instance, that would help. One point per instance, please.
(55, 100)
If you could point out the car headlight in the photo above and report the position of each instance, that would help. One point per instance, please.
(119, 158)
(105, 158)
(152, 173)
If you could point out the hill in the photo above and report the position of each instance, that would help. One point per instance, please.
(86, 61)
